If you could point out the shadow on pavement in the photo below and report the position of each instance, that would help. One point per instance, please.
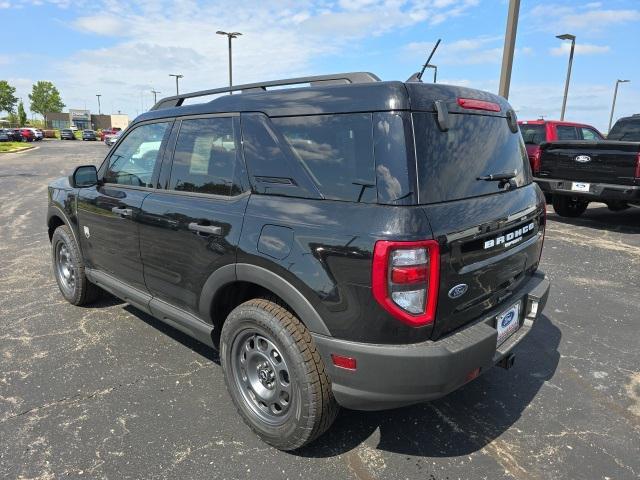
(461, 423)
(601, 218)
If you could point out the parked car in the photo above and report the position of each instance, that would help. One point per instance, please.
(379, 254)
(73, 128)
(4, 135)
(38, 133)
(89, 135)
(110, 140)
(535, 132)
(28, 135)
(108, 131)
(14, 134)
(67, 134)
(576, 172)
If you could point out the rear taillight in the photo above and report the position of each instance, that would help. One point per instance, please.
(637, 174)
(535, 161)
(405, 279)
(473, 104)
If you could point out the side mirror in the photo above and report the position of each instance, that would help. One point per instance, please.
(84, 176)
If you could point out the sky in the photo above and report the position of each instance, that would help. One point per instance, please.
(123, 50)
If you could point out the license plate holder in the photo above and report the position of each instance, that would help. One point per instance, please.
(580, 186)
(508, 322)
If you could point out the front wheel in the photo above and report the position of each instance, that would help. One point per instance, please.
(68, 268)
(275, 375)
(568, 206)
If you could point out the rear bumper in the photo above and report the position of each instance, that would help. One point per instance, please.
(598, 192)
(390, 376)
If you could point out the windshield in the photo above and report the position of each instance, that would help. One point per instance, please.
(533, 134)
(449, 163)
(627, 129)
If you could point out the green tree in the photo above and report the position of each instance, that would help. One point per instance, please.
(7, 97)
(22, 115)
(45, 98)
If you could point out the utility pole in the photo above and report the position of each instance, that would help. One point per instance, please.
(178, 77)
(613, 105)
(98, 95)
(155, 93)
(567, 36)
(230, 36)
(509, 48)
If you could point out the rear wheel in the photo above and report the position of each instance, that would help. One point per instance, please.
(275, 375)
(568, 206)
(617, 206)
(68, 268)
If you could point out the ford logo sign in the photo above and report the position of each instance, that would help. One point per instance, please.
(458, 290)
(507, 319)
(583, 158)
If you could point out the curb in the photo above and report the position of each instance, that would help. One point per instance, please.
(21, 150)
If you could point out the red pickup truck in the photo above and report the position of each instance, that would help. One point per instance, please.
(535, 132)
(108, 131)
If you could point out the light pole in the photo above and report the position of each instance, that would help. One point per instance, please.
(435, 72)
(155, 93)
(230, 36)
(509, 48)
(613, 105)
(567, 36)
(178, 77)
(98, 95)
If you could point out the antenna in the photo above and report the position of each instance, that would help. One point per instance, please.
(424, 67)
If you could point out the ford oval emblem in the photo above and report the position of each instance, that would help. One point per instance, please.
(507, 319)
(583, 158)
(458, 290)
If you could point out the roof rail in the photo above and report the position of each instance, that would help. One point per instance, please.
(333, 79)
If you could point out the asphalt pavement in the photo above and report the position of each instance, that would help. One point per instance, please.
(106, 391)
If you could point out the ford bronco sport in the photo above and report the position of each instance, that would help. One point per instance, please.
(348, 242)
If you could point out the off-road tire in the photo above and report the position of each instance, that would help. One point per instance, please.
(82, 291)
(569, 207)
(312, 408)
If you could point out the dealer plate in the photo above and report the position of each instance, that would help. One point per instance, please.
(508, 322)
(580, 187)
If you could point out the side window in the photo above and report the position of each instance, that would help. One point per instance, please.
(133, 161)
(567, 133)
(337, 151)
(589, 134)
(205, 157)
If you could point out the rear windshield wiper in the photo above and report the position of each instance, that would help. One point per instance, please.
(505, 178)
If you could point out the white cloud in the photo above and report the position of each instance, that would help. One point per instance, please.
(583, 18)
(101, 24)
(581, 48)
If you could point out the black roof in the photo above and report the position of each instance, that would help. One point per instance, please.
(367, 94)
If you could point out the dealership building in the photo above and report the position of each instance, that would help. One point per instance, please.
(83, 119)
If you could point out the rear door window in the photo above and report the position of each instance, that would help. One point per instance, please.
(336, 151)
(567, 133)
(589, 134)
(205, 156)
(449, 163)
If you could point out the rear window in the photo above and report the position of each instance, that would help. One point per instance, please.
(449, 163)
(533, 134)
(336, 151)
(626, 130)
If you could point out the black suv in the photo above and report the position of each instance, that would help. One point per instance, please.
(350, 242)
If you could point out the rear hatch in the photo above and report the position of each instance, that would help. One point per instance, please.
(588, 161)
(490, 232)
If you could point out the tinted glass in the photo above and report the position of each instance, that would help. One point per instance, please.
(133, 161)
(567, 133)
(337, 151)
(533, 134)
(449, 163)
(205, 157)
(627, 130)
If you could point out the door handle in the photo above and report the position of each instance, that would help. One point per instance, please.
(207, 229)
(125, 212)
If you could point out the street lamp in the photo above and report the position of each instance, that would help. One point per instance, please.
(155, 93)
(178, 77)
(230, 36)
(567, 36)
(98, 95)
(613, 105)
(435, 72)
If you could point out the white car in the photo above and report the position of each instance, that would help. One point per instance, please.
(73, 128)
